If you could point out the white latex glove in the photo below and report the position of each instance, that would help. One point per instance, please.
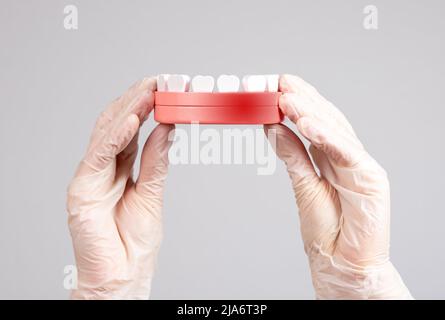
(115, 223)
(344, 212)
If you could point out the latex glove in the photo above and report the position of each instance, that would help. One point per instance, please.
(115, 223)
(344, 212)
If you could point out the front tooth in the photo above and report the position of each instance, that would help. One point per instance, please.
(162, 82)
(255, 83)
(227, 83)
(203, 84)
(244, 82)
(272, 82)
(178, 83)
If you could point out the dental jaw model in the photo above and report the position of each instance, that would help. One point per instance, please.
(180, 99)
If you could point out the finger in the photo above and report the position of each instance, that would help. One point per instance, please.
(126, 103)
(139, 222)
(291, 150)
(144, 106)
(311, 102)
(316, 200)
(146, 85)
(143, 102)
(154, 163)
(99, 157)
(294, 84)
(127, 157)
(340, 148)
(295, 106)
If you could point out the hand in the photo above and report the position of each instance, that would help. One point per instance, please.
(115, 223)
(344, 212)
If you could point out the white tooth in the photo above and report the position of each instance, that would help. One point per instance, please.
(272, 82)
(162, 82)
(244, 82)
(178, 83)
(203, 84)
(227, 83)
(255, 83)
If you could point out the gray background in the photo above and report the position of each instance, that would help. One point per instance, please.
(228, 232)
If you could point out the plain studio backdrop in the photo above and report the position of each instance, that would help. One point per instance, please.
(229, 233)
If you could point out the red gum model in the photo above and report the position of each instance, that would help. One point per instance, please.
(218, 107)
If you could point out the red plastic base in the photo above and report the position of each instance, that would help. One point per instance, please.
(218, 107)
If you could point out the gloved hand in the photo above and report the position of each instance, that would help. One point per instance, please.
(115, 223)
(344, 212)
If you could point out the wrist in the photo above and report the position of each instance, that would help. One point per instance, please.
(117, 290)
(335, 278)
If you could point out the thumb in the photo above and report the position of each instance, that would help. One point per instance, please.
(318, 218)
(291, 150)
(154, 163)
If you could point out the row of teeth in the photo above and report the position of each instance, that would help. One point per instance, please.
(224, 83)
